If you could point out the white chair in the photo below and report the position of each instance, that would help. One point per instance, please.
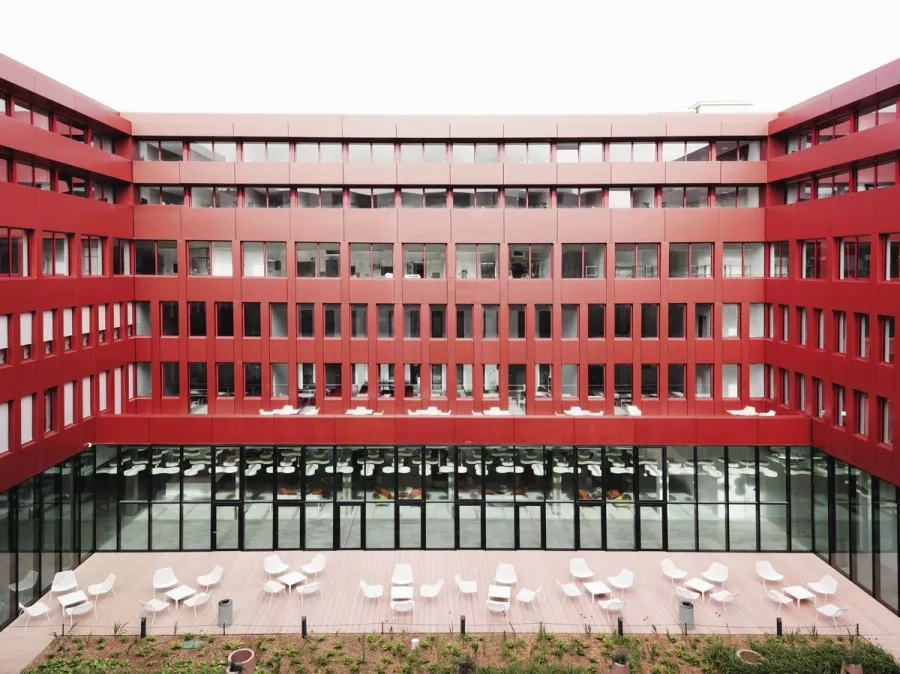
(100, 589)
(309, 588)
(164, 579)
(64, 581)
(623, 581)
(830, 611)
(725, 597)
(273, 566)
(570, 590)
(153, 607)
(315, 567)
(579, 569)
(214, 577)
(431, 591)
(79, 610)
(36, 610)
(506, 574)
(28, 582)
(527, 596)
(827, 586)
(403, 575)
(402, 606)
(716, 573)
(779, 598)
(612, 605)
(465, 586)
(671, 571)
(685, 594)
(371, 591)
(493, 607)
(765, 571)
(271, 588)
(196, 600)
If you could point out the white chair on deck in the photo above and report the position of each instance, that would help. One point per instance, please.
(196, 600)
(315, 567)
(685, 594)
(831, 611)
(273, 566)
(271, 588)
(527, 596)
(767, 573)
(431, 591)
(671, 571)
(465, 586)
(493, 607)
(309, 588)
(570, 590)
(725, 597)
(28, 582)
(779, 598)
(717, 573)
(402, 606)
(79, 610)
(371, 591)
(579, 569)
(827, 586)
(214, 577)
(611, 605)
(623, 581)
(64, 581)
(153, 607)
(164, 579)
(100, 589)
(506, 574)
(36, 610)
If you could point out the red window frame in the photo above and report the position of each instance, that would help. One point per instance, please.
(883, 174)
(4, 103)
(88, 240)
(49, 344)
(608, 150)
(319, 270)
(533, 197)
(685, 155)
(370, 145)
(684, 196)
(160, 190)
(690, 255)
(829, 130)
(265, 260)
(778, 259)
(886, 421)
(29, 112)
(817, 246)
(21, 262)
(103, 192)
(51, 424)
(529, 146)
(804, 190)
(852, 244)
(71, 129)
(4, 169)
(531, 260)
(265, 144)
(741, 151)
(318, 145)
(216, 192)
(881, 114)
(319, 200)
(72, 183)
(28, 174)
(596, 195)
(212, 144)
(53, 237)
(371, 270)
(833, 184)
(120, 255)
(636, 268)
(103, 141)
(887, 335)
(583, 274)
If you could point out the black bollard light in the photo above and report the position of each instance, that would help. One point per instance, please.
(303, 627)
(143, 627)
(621, 625)
(462, 624)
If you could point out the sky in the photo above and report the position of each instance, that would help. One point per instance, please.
(460, 57)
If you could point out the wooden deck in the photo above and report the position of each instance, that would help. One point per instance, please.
(341, 605)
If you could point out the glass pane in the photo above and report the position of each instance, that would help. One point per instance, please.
(289, 523)
(410, 526)
(651, 527)
(196, 526)
(351, 527)
(379, 525)
(530, 527)
(319, 525)
(166, 526)
(590, 527)
(226, 527)
(681, 526)
(470, 526)
(259, 521)
(500, 526)
(620, 526)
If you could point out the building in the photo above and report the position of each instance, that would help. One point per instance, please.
(166, 281)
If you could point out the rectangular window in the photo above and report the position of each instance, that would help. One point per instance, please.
(819, 391)
(623, 383)
(4, 339)
(596, 381)
(326, 153)
(731, 380)
(221, 151)
(731, 314)
(862, 412)
(264, 259)
(438, 380)
(121, 252)
(820, 328)
(785, 386)
(737, 196)
(832, 129)
(278, 320)
(596, 321)
(862, 335)
(491, 380)
(649, 321)
(743, 260)
(171, 380)
(677, 321)
(385, 321)
(703, 315)
(876, 115)
(876, 176)
(887, 338)
(412, 328)
(476, 260)
(265, 152)
(622, 321)
(632, 152)
(160, 150)
(885, 421)
(318, 260)
(372, 260)
(690, 260)
(757, 321)
(197, 319)
(165, 195)
(840, 413)
(305, 320)
(386, 381)
(778, 259)
(424, 261)
(490, 321)
(225, 380)
(252, 319)
(438, 315)
(579, 197)
(358, 321)
(51, 422)
(516, 321)
(143, 380)
(530, 260)
(676, 378)
(359, 386)
(738, 150)
(570, 321)
(785, 322)
(464, 382)
(686, 151)
(224, 319)
(813, 258)
(637, 260)
(840, 327)
(26, 422)
(543, 321)
(55, 254)
(832, 185)
(14, 252)
(279, 379)
(252, 380)
(156, 258)
(49, 325)
(757, 380)
(91, 256)
(378, 153)
(332, 320)
(855, 254)
(583, 260)
(703, 380)
(649, 381)
(209, 258)
(891, 254)
(684, 197)
(801, 322)
(464, 326)
(169, 318)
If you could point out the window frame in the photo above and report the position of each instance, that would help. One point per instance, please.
(320, 254)
(53, 237)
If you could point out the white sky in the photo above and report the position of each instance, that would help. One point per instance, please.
(460, 57)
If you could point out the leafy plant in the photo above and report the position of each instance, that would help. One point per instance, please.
(620, 657)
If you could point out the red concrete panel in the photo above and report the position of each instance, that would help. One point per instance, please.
(423, 225)
(541, 430)
(17, 73)
(260, 173)
(478, 292)
(374, 291)
(529, 174)
(369, 127)
(665, 431)
(689, 124)
(423, 174)
(157, 222)
(260, 126)
(583, 225)
(529, 225)
(153, 125)
(543, 128)
(475, 175)
(316, 174)
(371, 226)
(476, 128)
(609, 430)
(584, 127)
(743, 172)
(637, 126)
(114, 429)
(476, 225)
(20, 136)
(738, 125)
(156, 172)
(318, 225)
(689, 225)
(638, 173)
(314, 126)
(692, 172)
(370, 174)
(480, 430)
(583, 174)
(416, 128)
(263, 224)
(206, 173)
(637, 225)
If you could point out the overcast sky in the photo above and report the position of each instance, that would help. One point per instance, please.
(460, 57)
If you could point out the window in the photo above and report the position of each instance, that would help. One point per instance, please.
(690, 260)
(637, 260)
(165, 195)
(703, 381)
(417, 153)
(121, 252)
(48, 334)
(31, 175)
(91, 256)
(264, 258)
(412, 328)
(209, 258)
(325, 153)
(50, 419)
(530, 197)
(583, 260)
(632, 152)
(4, 339)
(490, 321)
(322, 260)
(160, 150)
(267, 197)
(891, 254)
(740, 196)
(738, 150)
(31, 114)
(800, 381)
(622, 321)
(532, 153)
(579, 197)
(703, 321)
(570, 321)
(221, 151)
(438, 380)
(516, 321)
(378, 153)
(143, 380)
(385, 321)
(801, 321)
(424, 260)
(26, 425)
(55, 254)
(224, 319)
(530, 260)
(320, 197)
(476, 260)
(731, 380)
(78, 132)
(471, 197)
(623, 384)
(832, 129)
(785, 322)
(438, 315)
(169, 318)
(332, 320)
(171, 380)
(813, 257)
(579, 152)
(214, 197)
(798, 141)
(677, 321)
(155, 258)
(543, 321)
(887, 338)
(480, 153)
(68, 183)
(197, 319)
(422, 197)
(543, 378)
(862, 412)
(252, 319)
(743, 260)
(684, 197)
(692, 150)
(14, 252)
(596, 321)
(731, 327)
(464, 326)
(876, 115)
(840, 413)
(832, 185)
(883, 174)
(820, 328)
(372, 260)
(819, 390)
(636, 197)
(757, 380)
(464, 382)
(265, 152)
(358, 321)
(886, 421)
(279, 379)
(252, 380)
(676, 378)
(305, 320)
(101, 192)
(855, 257)
(785, 377)
(412, 380)
(649, 321)
(225, 380)
(840, 326)
(778, 259)
(596, 381)
(278, 320)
